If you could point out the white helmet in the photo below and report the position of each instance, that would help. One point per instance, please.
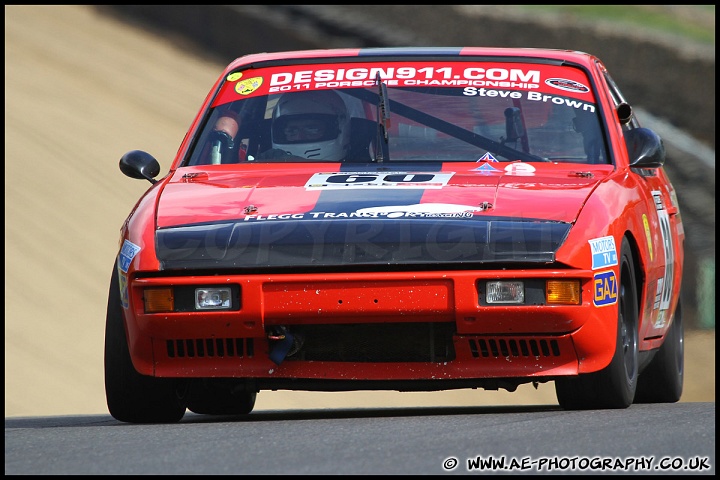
(312, 125)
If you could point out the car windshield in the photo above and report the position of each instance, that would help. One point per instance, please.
(416, 111)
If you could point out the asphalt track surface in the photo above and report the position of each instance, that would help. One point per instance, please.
(396, 441)
(81, 89)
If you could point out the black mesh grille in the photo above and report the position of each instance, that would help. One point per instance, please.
(210, 347)
(513, 347)
(382, 342)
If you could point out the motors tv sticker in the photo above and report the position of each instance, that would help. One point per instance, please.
(605, 289)
(604, 253)
(127, 253)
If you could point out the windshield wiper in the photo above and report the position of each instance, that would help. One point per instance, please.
(382, 148)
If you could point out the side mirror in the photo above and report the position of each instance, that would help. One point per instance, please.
(624, 113)
(645, 148)
(139, 164)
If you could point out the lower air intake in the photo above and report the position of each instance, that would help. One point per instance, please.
(513, 347)
(210, 347)
(380, 342)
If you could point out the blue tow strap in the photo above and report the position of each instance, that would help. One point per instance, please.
(279, 351)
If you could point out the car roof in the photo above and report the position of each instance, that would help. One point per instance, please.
(573, 56)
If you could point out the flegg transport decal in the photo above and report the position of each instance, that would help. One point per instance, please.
(420, 210)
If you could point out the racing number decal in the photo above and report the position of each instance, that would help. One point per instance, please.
(344, 180)
(665, 232)
(394, 178)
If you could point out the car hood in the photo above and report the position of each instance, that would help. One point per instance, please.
(288, 215)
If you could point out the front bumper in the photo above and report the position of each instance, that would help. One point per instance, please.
(371, 327)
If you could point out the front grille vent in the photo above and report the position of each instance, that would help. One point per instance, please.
(513, 347)
(210, 347)
(378, 342)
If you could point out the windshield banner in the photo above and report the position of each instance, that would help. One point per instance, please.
(476, 78)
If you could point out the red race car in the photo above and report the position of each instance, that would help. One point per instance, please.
(410, 219)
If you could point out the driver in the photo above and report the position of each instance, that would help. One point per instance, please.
(312, 125)
(221, 147)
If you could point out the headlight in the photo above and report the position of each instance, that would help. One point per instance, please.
(505, 292)
(213, 298)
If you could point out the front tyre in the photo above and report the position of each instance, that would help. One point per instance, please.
(220, 397)
(662, 380)
(132, 397)
(615, 385)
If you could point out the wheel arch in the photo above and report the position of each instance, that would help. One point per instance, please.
(640, 279)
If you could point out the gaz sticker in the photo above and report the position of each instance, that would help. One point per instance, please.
(605, 288)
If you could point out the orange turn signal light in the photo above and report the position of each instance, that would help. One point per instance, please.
(563, 292)
(159, 300)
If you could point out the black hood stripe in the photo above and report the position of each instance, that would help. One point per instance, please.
(359, 241)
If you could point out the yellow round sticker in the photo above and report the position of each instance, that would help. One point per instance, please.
(249, 85)
(647, 235)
